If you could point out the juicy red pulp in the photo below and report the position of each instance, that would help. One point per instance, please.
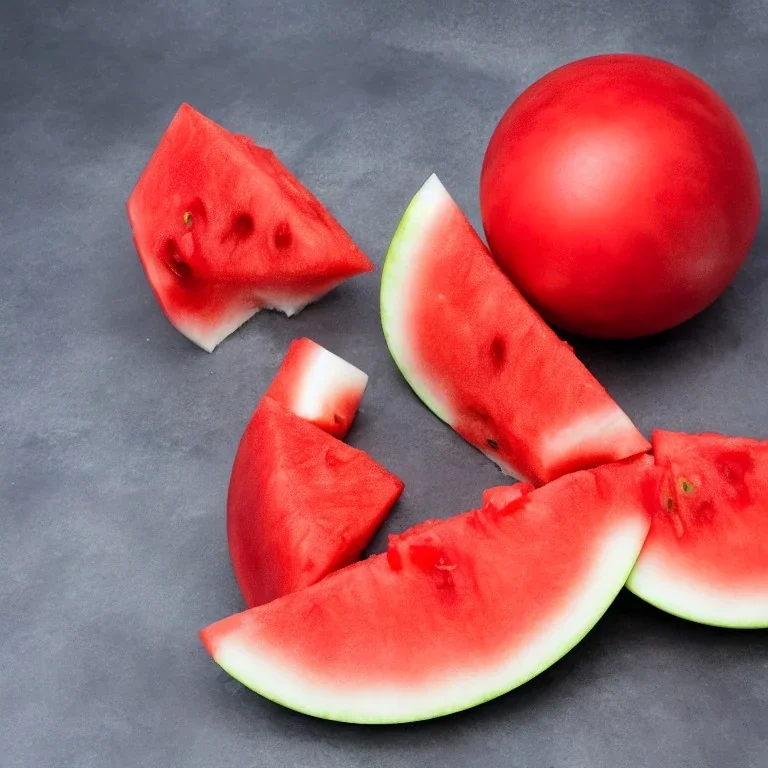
(454, 596)
(301, 503)
(222, 229)
(513, 389)
(710, 506)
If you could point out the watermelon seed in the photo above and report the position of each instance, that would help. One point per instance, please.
(175, 262)
(498, 352)
(283, 237)
(670, 504)
(337, 419)
(187, 218)
(686, 486)
(492, 443)
(243, 226)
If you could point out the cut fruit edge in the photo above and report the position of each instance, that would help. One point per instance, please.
(422, 213)
(319, 386)
(706, 556)
(670, 590)
(273, 679)
(425, 212)
(249, 645)
(209, 335)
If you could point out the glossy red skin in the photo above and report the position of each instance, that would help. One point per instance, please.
(620, 194)
(301, 504)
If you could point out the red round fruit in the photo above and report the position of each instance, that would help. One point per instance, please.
(620, 194)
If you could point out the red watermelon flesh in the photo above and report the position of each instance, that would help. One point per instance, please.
(456, 612)
(502, 495)
(301, 504)
(483, 360)
(706, 557)
(223, 230)
(319, 386)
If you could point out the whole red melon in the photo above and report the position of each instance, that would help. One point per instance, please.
(620, 194)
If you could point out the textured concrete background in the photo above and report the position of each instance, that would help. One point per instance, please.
(117, 435)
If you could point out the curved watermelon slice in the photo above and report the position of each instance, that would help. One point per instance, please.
(455, 613)
(301, 504)
(480, 357)
(319, 386)
(706, 557)
(223, 230)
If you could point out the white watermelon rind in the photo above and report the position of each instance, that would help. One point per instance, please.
(208, 336)
(396, 282)
(268, 675)
(671, 591)
(323, 377)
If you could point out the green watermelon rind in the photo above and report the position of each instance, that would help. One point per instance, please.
(402, 262)
(395, 282)
(695, 602)
(258, 670)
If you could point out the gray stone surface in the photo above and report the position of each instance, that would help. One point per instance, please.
(117, 435)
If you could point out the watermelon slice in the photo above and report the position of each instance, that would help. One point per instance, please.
(480, 357)
(455, 613)
(301, 504)
(706, 557)
(223, 230)
(319, 386)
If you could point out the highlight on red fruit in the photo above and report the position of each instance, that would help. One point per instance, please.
(620, 194)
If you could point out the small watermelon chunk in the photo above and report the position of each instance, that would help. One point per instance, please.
(706, 557)
(319, 386)
(482, 359)
(501, 496)
(455, 613)
(301, 504)
(223, 230)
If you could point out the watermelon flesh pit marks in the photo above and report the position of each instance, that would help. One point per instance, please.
(223, 230)
(455, 613)
(319, 386)
(301, 504)
(483, 360)
(706, 557)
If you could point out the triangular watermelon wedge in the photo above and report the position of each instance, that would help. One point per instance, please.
(223, 230)
(706, 557)
(301, 504)
(456, 612)
(482, 359)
